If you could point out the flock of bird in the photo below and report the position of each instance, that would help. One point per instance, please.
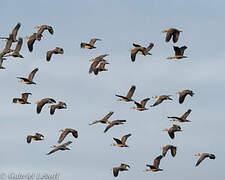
(98, 65)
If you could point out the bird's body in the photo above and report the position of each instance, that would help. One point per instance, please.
(129, 95)
(62, 147)
(57, 50)
(179, 52)
(203, 156)
(173, 150)
(122, 167)
(42, 102)
(155, 166)
(23, 99)
(121, 143)
(104, 120)
(172, 32)
(172, 130)
(65, 132)
(183, 118)
(36, 137)
(141, 106)
(160, 99)
(113, 123)
(29, 80)
(89, 45)
(183, 94)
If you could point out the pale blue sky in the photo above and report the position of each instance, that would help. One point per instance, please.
(89, 97)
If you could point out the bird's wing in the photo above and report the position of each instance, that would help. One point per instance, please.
(49, 55)
(52, 109)
(117, 141)
(124, 138)
(165, 149)
(93, 66)
(186, 114)
(177, 51)
(115, 171)
(131, 92)
(175, 36)
(63, 135)
(157, 161)
(19, 45)
(169, 35)
(182, 49)
(136, 45)
(137, 104)
(74, 132)
(54, 150)
(159, 100)
(92, 41)
(182, 97)
(134, 52)
(32, 74)
(171, 133)
(15, 30)
(30, 43)
(25, 96)
(29, 139)
(108, 127)
(107, 116)
(173, 150)
(50, 30)
(144, 101)
(149, 47)
(122, 97)
(202, 157)
(41, 103)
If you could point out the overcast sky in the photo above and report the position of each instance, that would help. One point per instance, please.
(89, 97)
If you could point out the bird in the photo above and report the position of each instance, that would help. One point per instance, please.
(42, 28)
(36, 137)
(179, 52)
(57, 50)
(122, 167)
(203, 156)
(65, 132)
(172, 32)
(155, 166)
(104, 120)
(31, 41)
(96, 61)
(60, 105)
(173, 150)
(61, 147)
(172, 130)
(16, 51)
(141, 106)
(161, 99)
(89, 45)
(129, 95)
(145, 50)
(28, 80)
(183, 118)
(42, 102)
(113, 123)
(100, 68)
(183, 94)
(121, 143)
(23, 99)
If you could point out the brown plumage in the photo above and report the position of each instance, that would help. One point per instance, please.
(15, 31)
(172, 32)
(65, 132)
(129, 95)
(42, 102)
(41, 29)
(183, 118)
(161, 99)
(96, 61)
(89, 45)
(23, 99)
(28, 80)
(31, 40)
(104, 120)
(172, 130)
(173, 150)
(113, 123)
(155, 166)
(62, 147)
(60, 105)
(16, 51)
(183, 94)
(145, 50)
(36, 137)
(203, 156)
(122, 167)
(179, 52)
(141, 106)
(136, 50)
(7, 49)
(100, 68)
(121, 143)
(57, 50)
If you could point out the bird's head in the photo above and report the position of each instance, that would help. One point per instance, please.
(155, 97)
(53, 146)
(198, 154)
(61, 130)
(164, 31)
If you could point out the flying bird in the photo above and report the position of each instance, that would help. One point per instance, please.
(136, 50)
(122, 167)
(161, 99)
(121, 143)
(155, 166)
(104, 120)
(60, 105)
(36, 137)
(42, 28)
(89, 45)
(145, 50)
(172, 32)
(62, 147)
(96, 61)
(42, 102)
(129, 95)
(28, 80)
(183, 94)
(113, 123)
(65, 132)
(183, 118)
(179, 52)
(172, 130)
(203, 156)
(141, 106)
(16, 51)
(173, 150)
(57, 50)
(23, 99)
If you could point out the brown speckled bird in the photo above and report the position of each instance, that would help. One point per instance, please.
(155, 166)
(121, 143)
(172, 32)
(62, 147)
(179, 52)
(183, 118)
(172, 130)
(60, 105)
(89, 45)
(122, 167)
(23, 99)
(183, 94)
(30, 78)
(129, 95)
(104, 120)
(36, 137)
(57, 50)
(65, 132)
(161, 99)
(203, 156)
(113, 123)
(141, 106)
